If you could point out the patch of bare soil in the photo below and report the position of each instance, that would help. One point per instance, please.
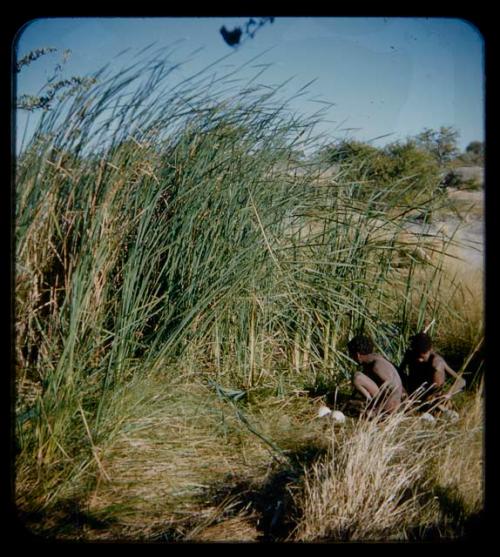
(464, 228)
(469, 232)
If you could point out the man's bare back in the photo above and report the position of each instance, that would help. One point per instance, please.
(379, 379)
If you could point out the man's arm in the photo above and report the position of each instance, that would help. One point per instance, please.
(438, 372)
(441, 369)
(402, 374)
(458, 384)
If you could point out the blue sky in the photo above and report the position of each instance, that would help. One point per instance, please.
(385, 75)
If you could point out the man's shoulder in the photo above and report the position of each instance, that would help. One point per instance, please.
(381, 358)
(437, 360)
(380, 362)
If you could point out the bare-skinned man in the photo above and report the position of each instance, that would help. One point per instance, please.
(379, 382)
(427, 371)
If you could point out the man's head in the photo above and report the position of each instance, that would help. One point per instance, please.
(421, 346)
(360, 345)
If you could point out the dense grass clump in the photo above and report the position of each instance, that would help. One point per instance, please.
(168, 225)
(396, 479)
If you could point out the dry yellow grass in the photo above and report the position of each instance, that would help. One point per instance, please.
(460, 466)
(393, 480)
(240, 529)
(174, 451)
(360, 491)
(181, 466)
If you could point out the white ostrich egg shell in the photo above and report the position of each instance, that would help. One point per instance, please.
(338, 416)
(323, 411)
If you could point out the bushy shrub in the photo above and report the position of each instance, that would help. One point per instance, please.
(403, 164)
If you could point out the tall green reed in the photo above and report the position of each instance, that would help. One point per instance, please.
(159, 220)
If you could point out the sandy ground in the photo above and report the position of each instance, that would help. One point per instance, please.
(467, 231)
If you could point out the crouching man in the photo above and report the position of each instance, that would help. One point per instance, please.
(379, 382)
(426, 376)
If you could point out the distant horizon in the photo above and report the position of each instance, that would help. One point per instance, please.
(386, 79)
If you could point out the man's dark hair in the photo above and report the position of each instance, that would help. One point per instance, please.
(361, 344)
(420, 343)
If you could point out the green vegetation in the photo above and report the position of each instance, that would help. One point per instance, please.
(56, 87)
(441, 144)
(399, 173)
(182, 283)
(473, 155)
(417, 165)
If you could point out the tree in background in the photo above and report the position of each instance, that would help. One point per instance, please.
(405, 163)
(474, 153)
(409, 160)
(463, 172)
(348, 150)
(442, 144)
